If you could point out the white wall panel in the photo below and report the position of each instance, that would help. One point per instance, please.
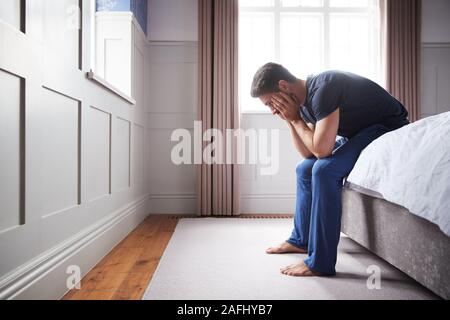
(60, 154)
(270, 193)
(98, 160)
(138, 161)
(436, 21)
(168, 178)
(121, 150)
(10, 12)
(139, 80)
(172, 86)
(61, 33)
(435, 55)
(10, 156)
(435, 79)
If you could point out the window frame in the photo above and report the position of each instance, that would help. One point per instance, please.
(92, 74)
(326, 11)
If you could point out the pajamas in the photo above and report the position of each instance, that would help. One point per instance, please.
(317, 221)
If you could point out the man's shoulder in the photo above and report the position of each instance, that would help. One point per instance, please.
(329, 76)
(324, 82)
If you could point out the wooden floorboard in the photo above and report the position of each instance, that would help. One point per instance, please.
(125, 272)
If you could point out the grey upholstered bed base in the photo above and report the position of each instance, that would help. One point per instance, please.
(413, 245)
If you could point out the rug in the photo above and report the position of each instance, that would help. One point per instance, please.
(225, 259)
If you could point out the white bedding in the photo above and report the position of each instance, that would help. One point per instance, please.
(411, 167)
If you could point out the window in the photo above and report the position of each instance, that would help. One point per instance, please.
(112, 41)
(307, 37)
(111, 46)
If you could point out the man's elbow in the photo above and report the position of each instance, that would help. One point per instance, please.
(309, 155)
(321, 154)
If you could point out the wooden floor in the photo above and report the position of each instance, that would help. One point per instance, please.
(125, 272)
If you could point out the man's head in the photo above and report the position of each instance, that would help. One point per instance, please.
(270, 79)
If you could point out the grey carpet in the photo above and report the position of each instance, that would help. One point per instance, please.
(215, 259)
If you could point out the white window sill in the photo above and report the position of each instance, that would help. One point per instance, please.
(92, 76)
(256, 112)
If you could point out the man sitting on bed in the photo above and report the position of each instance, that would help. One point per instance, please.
(319, 110)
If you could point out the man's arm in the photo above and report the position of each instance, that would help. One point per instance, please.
(321, 141)
(298, 143)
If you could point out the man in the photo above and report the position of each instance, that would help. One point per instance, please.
(317, 111)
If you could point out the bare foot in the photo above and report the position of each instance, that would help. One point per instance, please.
(299, 270)
(285, 248)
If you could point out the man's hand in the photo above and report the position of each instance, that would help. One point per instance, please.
(281, 116)
(275, 112)
(321, 141)
(286, 106)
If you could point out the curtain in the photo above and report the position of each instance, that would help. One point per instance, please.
(401, 30)
(218, 184)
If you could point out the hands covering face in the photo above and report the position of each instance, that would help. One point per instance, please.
(285, 107)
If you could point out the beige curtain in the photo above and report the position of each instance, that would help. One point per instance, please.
(218, 184)
(401, 29)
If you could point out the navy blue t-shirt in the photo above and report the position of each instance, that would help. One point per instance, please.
(361, 103)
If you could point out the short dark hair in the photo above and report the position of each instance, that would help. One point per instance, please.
(267, 78)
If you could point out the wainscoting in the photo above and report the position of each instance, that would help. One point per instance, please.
(435, 78)
(172, 85)
(269, 194)
(72, 178)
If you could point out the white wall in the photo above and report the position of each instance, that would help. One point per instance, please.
(436, 21)
(271, 194)
(172, 87)
(10, 12)
(435, 69)
(172, 92)
(172, 20)
(81, 185)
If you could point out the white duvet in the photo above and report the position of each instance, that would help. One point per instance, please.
(411, 167)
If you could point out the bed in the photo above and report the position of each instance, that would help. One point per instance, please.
(396, 201)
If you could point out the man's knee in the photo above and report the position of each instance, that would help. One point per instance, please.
(322, 169)
(304, 169)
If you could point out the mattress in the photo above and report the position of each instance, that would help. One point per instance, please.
(367, 192)
(410, 243)
(410, 167)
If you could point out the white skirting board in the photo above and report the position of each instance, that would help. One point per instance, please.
(268, 204)
(250, 204)
(173, 204)
(45, 277)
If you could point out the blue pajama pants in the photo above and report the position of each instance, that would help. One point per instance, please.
(317, 221)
